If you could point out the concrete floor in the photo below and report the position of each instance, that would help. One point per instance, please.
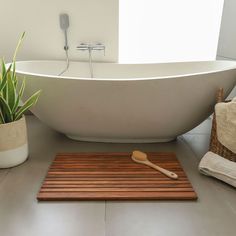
(21, 215)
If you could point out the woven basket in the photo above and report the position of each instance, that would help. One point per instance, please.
(215, 145)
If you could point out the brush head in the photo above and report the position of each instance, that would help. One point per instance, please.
(139, 156)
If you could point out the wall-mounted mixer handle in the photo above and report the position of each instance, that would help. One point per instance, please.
(83, 46)
(91, 47)
(99, 47)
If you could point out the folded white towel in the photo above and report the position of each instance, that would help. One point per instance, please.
(226, 124)
(218, 167)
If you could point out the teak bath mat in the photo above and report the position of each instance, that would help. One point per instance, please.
(113, 176)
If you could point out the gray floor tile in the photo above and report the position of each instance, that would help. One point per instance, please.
(21, 215)
(203, 128)
(204, 217)
(3, 174)
(199, 143)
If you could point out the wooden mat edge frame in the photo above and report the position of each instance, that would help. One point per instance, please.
(192, 196)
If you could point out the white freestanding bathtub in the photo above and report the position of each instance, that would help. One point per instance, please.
(126, 102)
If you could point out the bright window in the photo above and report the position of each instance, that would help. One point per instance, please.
(168, 30)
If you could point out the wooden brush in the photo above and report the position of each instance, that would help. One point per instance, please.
(141, 157)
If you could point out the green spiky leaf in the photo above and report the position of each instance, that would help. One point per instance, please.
(9, 99)
(22, 88)
(2, 121)
(3, 67)
(11, 91)
(18, 46)
(27, 105)
(4, 75)
(6, 110)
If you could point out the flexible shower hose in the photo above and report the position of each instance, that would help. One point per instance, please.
(67, 62)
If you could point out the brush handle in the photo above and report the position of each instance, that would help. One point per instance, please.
(168, 173)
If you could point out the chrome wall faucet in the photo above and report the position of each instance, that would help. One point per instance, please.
(90, 48)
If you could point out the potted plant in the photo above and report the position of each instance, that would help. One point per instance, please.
(13, 132)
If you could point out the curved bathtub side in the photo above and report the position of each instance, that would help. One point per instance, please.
(130, 110)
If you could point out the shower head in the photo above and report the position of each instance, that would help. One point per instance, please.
(64, 21)
(64, 24)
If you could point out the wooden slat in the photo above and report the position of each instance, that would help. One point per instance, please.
(45, 196)
(113, 176)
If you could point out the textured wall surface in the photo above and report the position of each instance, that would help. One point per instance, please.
(90, 20)
(227, 39)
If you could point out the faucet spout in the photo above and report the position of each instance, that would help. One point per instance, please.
(90, 48)
(90, 63)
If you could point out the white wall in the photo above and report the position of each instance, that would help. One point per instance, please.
(90, 20)
(227, 39)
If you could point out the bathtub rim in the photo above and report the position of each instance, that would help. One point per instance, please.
(227, 68)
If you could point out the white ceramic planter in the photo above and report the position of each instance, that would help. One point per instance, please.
(13, 143)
